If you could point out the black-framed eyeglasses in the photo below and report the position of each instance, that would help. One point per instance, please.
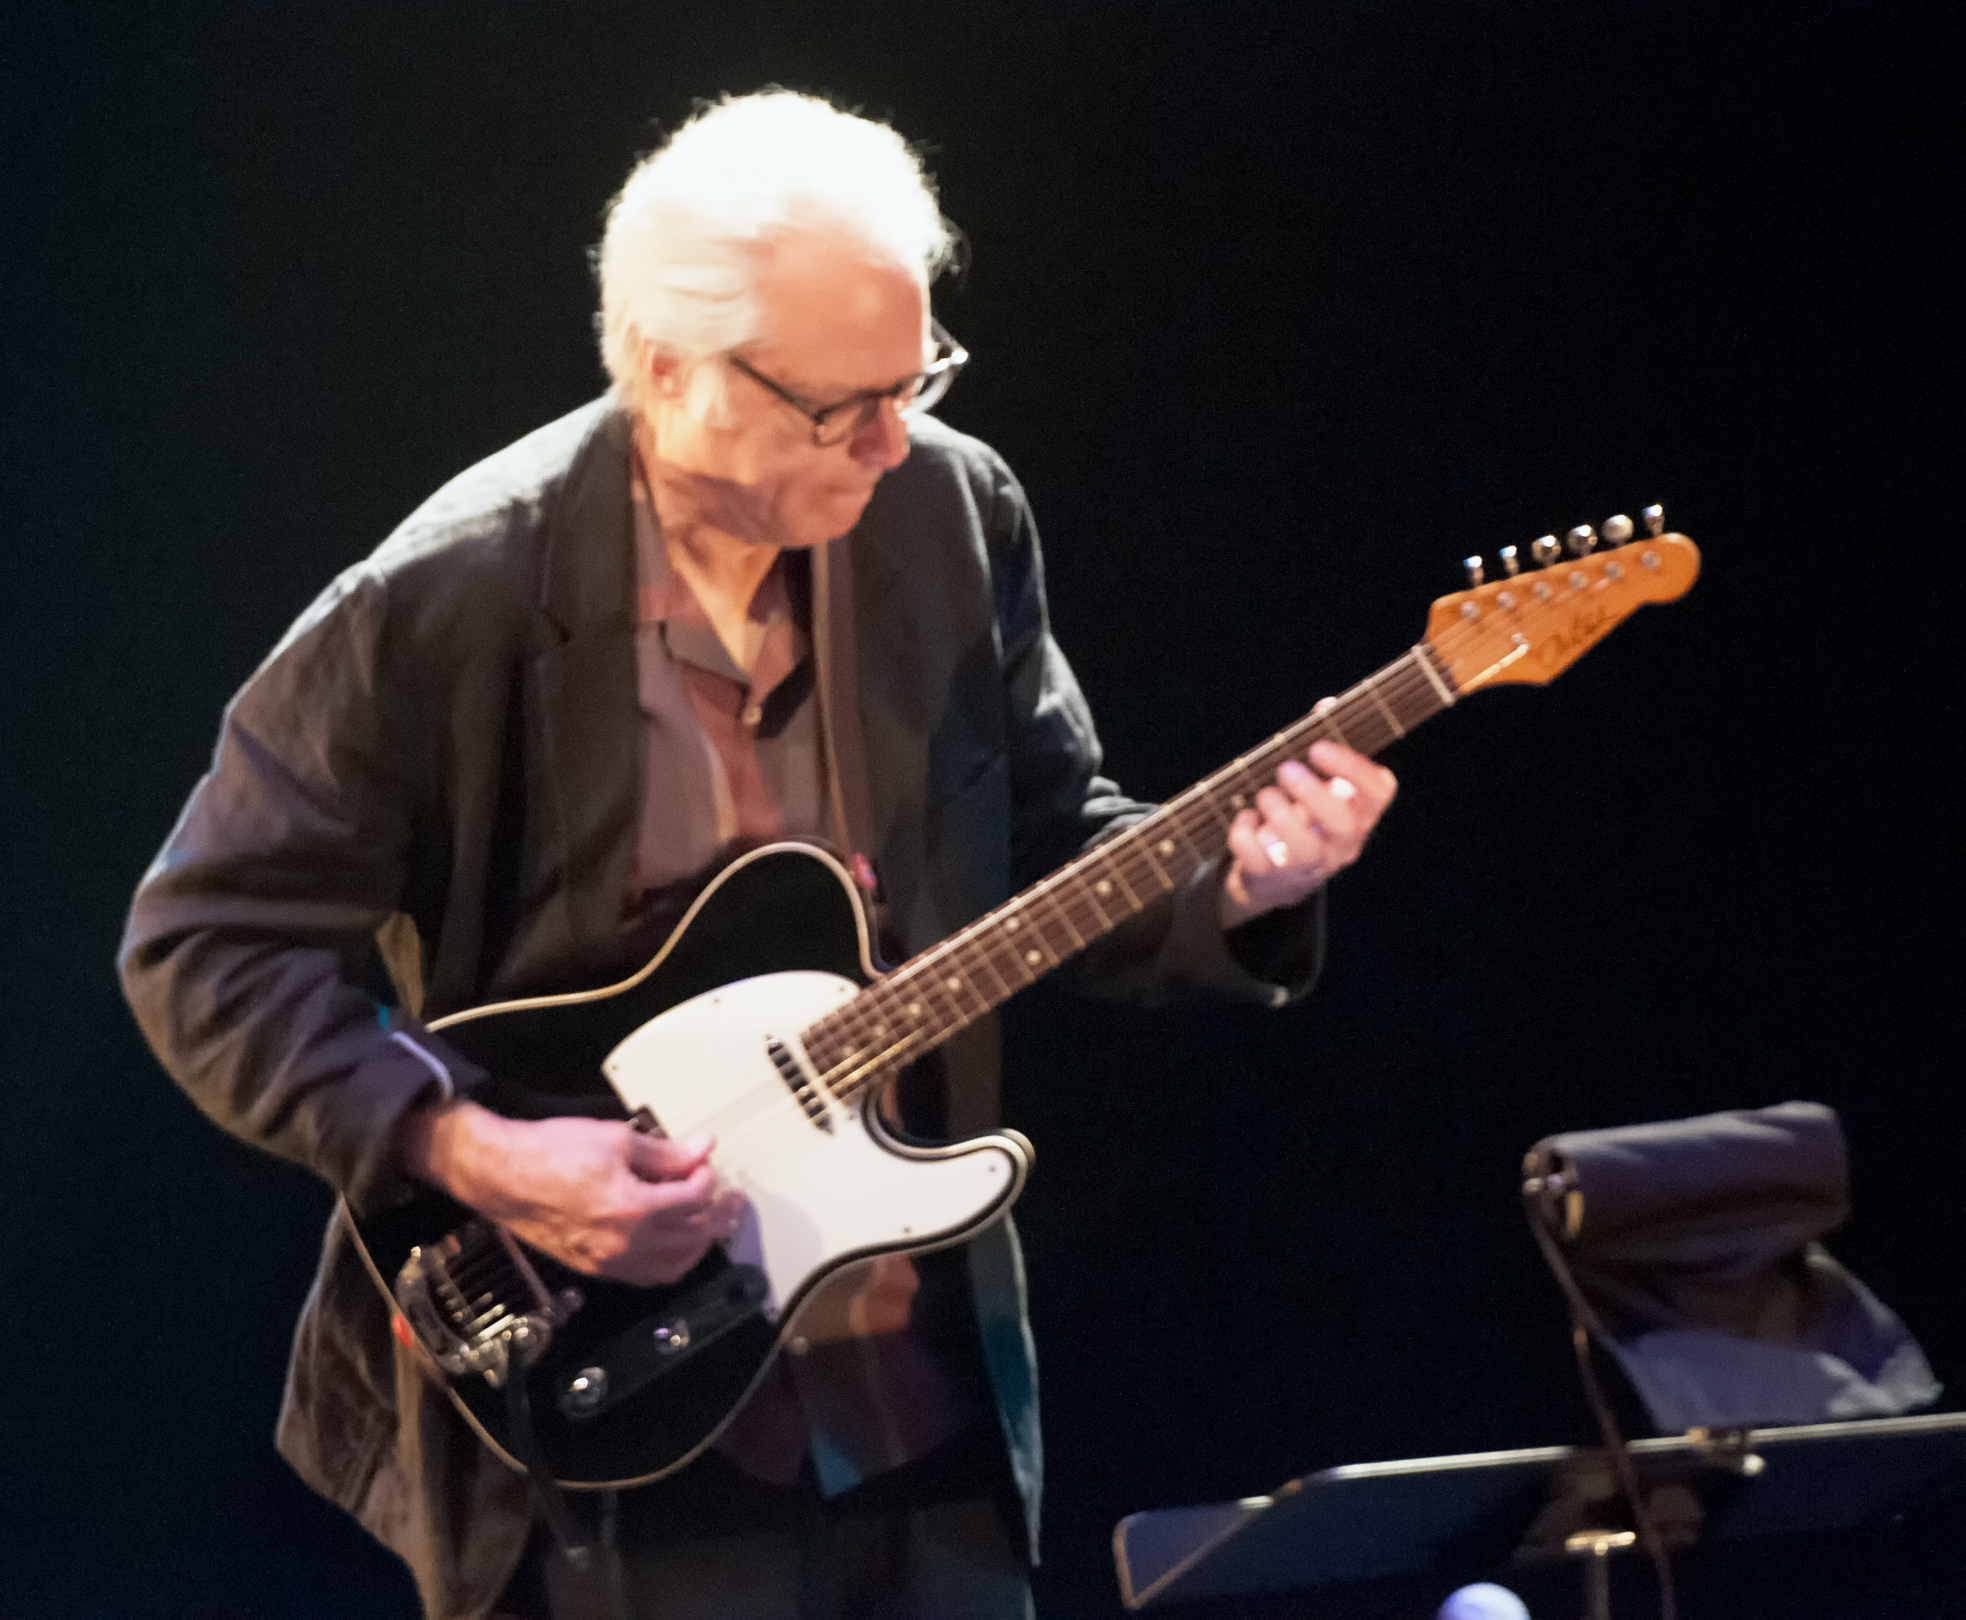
(916, 395)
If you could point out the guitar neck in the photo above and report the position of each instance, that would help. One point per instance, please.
(922, 1003)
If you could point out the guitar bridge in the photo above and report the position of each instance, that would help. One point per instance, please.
(477, 1304)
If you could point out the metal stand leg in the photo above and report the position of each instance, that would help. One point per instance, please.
(1595, 1547)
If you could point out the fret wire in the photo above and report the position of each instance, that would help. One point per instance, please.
(1033, 934)
(1200, 798)
(927, 989)
(1137, 841)
(1083, 900)
(856, 1045)
(1055, 898)
(1205, 843)
(1010, 946)
(852, 1026)
(991, 935)
(820, 1039)
(979, 949)
(1083, 909)
(1020, 973)
(1111, 867)
(1371, 686)
(1065, 912)
(1069, 904)
(965, 985)
(1433, 690)
(815, 1040)
(887, 1015)
(1199, 832)
(1103, 916)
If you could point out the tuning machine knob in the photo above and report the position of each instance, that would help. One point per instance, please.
(1655, 521)
(1510, 561)
(1473, 566)
(1582, 540)
(1545, 550)
(1617, 530)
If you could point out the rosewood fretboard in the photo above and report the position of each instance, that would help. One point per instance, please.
(927, 999)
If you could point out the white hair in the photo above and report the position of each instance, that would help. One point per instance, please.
(678, 261)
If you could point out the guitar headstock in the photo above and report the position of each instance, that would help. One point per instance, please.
(1534, 623)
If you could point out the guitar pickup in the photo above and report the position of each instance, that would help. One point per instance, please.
(635, 1357)
(808, 1096)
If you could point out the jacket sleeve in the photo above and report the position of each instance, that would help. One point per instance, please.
(251, 941)
(1176, 948)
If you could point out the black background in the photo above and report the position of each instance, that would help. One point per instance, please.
(1279, 310)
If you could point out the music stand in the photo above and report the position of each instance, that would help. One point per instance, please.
(1457, 1519)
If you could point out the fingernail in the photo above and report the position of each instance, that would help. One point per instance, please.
(1340, 788)
(1296, 772)
(699, 1144)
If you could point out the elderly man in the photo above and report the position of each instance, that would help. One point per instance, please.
(581, 674)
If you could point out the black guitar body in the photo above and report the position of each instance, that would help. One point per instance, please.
(676, 1361)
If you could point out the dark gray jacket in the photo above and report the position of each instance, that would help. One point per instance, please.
(433, 774)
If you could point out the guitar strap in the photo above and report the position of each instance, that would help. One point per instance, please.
(848, 800)
(835, 652)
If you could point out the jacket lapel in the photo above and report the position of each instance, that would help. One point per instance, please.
(580, 706)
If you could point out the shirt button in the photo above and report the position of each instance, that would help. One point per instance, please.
(753, 715)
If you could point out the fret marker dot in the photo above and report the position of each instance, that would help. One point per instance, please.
(1164, 848)
(1010, 925)
(914, 1009)
(1237, 801)
(1102, 888)
(954, 983)
(1034, 957)
(880, 1032)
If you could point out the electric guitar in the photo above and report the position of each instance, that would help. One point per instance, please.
(763, 1020)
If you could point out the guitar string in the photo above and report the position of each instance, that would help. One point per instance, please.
(737, 1133)
(1179, 816)
(739, 1126)
(1196, 818)
(1181, 820)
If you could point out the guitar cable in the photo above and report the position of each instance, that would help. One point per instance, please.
(579, 1553)
(1582, 1321)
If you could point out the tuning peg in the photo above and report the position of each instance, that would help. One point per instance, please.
(1473, 566)
(1655, 521)
(1582, 540)
(1544, 550)
(1511, 561)
(1617, 530)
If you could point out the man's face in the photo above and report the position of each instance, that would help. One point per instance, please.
(837, 323)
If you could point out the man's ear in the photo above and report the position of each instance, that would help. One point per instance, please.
(666, 373)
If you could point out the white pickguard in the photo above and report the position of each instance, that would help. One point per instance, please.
(817, 1197)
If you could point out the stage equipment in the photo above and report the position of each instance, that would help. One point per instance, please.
(1688, 1250)
(1376, 1540)
(1693, 1249)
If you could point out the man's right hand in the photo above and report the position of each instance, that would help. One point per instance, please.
(594, 1194)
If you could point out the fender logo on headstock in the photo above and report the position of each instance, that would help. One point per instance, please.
(1570, 642)
(1536, 623)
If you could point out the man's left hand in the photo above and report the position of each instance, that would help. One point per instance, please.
(1311, 825)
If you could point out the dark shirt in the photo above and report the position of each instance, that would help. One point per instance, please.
(860, 1389)
(724, 755)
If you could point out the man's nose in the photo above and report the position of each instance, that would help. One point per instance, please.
(882, 440)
